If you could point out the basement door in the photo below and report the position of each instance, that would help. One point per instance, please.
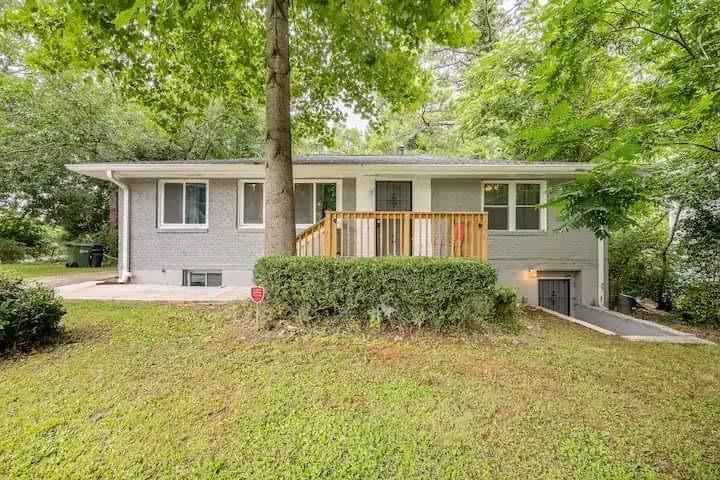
(554, 293)
(391, 197)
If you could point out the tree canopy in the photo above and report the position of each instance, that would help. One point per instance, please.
(177, 57)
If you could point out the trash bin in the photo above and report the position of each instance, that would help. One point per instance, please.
(625, 304)
(96, 255)
(78, 254)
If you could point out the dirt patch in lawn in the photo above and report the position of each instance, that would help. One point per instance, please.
(386, 353)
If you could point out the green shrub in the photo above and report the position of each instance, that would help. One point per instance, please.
(635, 259)
(507, 304)
(436, 292)
(21, 228)
(699, 302)
(29, 313)
(11, 251)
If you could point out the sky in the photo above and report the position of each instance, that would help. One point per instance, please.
(353, 120)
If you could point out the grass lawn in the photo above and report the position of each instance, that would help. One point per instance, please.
(158, 391)
(46, 269)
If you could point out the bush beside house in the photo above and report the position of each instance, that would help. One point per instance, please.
(434, 292)
(29, 314)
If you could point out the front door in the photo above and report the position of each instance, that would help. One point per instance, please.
(555, 294)
(391, 197)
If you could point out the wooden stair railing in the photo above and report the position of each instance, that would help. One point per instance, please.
(426, 234)
(311, 242)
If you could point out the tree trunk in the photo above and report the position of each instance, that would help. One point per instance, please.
(662, 300)
(279, 201)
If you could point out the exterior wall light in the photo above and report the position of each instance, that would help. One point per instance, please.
(533, 272)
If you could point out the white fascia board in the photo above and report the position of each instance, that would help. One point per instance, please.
(169, 170)
(220, 170)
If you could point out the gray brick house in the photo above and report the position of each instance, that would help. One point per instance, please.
(201, 222)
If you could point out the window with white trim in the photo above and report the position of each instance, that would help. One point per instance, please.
(513, 206)
(201, 278)
(253, 202)
(527, 215)
(497, 205)
(183, 203)
(312, 200)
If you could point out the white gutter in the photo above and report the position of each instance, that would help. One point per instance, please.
(125, 273)
(220, 170)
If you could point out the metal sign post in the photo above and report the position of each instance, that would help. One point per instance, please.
(257, 294)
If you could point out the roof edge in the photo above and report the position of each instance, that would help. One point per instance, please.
(230, 170)
(179, 165)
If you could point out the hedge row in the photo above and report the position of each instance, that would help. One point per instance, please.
(29, 314)
(436, 292)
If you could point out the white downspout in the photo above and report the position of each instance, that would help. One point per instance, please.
(601, 274)
(125, 273)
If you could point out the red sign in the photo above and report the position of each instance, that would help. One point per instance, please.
(257, 294)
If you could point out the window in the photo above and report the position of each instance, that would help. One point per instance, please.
(325, 199)
(253, 202)
(193, 278)
(497, 205)
(183, 203)
(304, 205)
(312, 200)
(513, 205)
(527, 216)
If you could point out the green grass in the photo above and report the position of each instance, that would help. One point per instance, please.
(46, 269)
(153, 391)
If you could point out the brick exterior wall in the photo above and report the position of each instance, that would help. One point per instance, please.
(159, 256)
(573, 254)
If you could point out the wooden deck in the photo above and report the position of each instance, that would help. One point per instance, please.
(403, 234)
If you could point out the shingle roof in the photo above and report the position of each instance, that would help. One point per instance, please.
(332, 159)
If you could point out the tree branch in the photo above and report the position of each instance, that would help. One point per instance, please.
(714, 149)
(670, 38)
(679, 41)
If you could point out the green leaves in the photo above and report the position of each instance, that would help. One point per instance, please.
(634, 87)
(439, 292)
(125, 16)
(604, 199)
(178, 57)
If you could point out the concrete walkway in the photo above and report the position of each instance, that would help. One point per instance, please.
(609, 322)
(152, 293)
(71, 278)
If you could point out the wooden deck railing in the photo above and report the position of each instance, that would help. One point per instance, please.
(424, 234)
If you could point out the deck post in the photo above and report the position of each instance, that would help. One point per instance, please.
(484, 236)
(406, 235)
(333, 234)
(328, 241)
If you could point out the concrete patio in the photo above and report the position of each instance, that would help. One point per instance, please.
(71, 278)
(93, 290)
